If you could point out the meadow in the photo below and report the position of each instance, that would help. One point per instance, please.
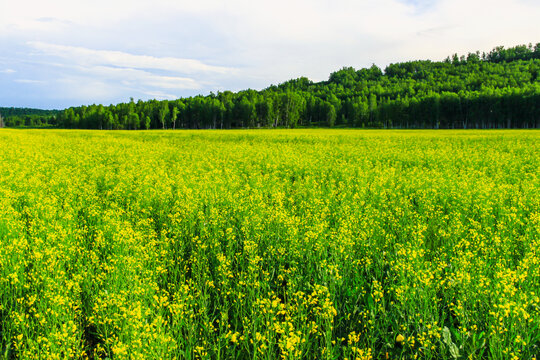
(269, 244)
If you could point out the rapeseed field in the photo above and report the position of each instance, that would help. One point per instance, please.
(285, 244)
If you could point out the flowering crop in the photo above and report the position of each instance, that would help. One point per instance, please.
(270, 244)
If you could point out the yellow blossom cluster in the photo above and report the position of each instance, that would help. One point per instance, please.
(269, 244)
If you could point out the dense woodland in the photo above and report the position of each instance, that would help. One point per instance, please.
(499, 89)
(25, 117)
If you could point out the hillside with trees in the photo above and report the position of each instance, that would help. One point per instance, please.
(499, 89)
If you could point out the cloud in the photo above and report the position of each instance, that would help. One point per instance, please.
(137, 78)
(89, 57)
(160, 95)
(99, 83)
(91, 75)
(107, 51)
(437, 31)
(28, 81)
(7, 71)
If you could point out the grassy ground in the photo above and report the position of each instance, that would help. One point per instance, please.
(314, 244)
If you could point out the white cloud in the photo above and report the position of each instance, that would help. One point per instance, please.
(161, 95)
(166, 48)
(7, 71)
(28, 81)
(88, 57)
(101, 75)
(134, 78)
(103, 83)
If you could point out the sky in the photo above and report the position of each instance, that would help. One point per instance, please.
(61, 53)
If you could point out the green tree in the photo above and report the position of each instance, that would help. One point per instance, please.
(163, 111)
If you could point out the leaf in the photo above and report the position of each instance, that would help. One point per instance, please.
(371, 303)
(454, 351)
(447, 337)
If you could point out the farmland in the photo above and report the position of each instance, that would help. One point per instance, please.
(269, 244)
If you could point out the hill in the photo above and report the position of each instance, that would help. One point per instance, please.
(499, 89)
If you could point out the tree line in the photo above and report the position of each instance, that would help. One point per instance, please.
(499, 89)
(27, 117)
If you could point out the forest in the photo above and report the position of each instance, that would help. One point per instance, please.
(498, 89)
(26, 117)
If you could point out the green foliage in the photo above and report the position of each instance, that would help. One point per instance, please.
(270, 244)
(24, 117)
(500, 89)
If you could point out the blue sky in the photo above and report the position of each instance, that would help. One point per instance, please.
(60, 53)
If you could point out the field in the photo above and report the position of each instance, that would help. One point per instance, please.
(285, 244)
